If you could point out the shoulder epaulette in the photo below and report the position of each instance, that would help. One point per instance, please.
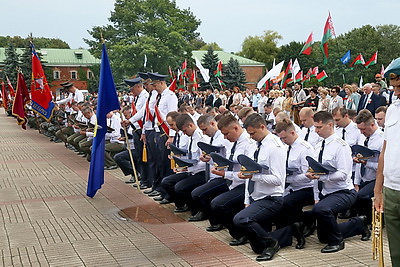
(341, 141)
(276, 142)
(306, 144)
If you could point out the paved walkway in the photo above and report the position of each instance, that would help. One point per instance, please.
(47, 220)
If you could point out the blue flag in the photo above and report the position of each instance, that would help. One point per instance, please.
(346, 58)
(107, 101)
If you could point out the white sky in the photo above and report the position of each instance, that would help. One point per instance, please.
(227, 23)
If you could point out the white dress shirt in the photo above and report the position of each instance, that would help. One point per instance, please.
(115, 123)
(140, 107)
(219, 140)
(72, 97)
(195, 151)
(168, 102)
(313, 137)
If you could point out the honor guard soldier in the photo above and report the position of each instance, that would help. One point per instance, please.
(85, 144)
(308, 133)
(180, 185)
(75, 95)
(227, 205)
(215, 184)
(366, 156)
(79, 121)
(113, 142)
(337, 192)
(166, 101)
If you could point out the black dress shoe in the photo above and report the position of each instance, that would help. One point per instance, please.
(130, 181)
(148, 191)
(333, 248)
(366, 233)
(112, 167)
(199, 216)
(158, 198)
(155, 193)
(269, 252)
(308, 229)
(184, 208)
(165, 201)
(215, 228)
(297, 232)
(239, 241)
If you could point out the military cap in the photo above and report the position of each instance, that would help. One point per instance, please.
(220, 161)
(291, 171)
(207, 148)
(143, 75)
(363, 152)
(249, 166)
(156, 76)
(183, 162)
(318, 168)
(178, 151)
(64, 83)
(67, 85)
(133, 82)
(394, 68)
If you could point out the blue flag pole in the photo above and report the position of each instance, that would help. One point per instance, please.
(107, 101)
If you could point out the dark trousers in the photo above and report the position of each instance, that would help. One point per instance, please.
(151, 156)
(168, 185)
(254, 220)
(326, 210)
(226, 206)
(184, 188)
(163, 166)
(204, 194)
(292, 209)
(123, 161)
(363, 205)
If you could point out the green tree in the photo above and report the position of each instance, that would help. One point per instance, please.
(26, 63)
(11, 62)
(155, 28)
(261, 48)
(197, 43)
(210, 62)
(234, 75)
(44, 42)
(213, 45)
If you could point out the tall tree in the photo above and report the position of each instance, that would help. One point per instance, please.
(261, 48)
(210, 62)
(155, 28)
(213, 45)
(234, 75)
(11, 63)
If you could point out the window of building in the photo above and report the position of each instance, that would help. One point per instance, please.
(74, 75)
(89, 74)
(78, 55)
(56, 75)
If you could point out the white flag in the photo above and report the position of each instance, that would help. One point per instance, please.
(145, 61)
(204, 72)
(295, 68)
(361, 82)
(274, 72)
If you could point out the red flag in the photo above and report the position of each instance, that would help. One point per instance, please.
(358, 60)
(40, 90)
(329, 31)
(171, 74)
(299, 77)
(382, 71)
(314, 71)
(287, 81)
(10, 87)
(322, 76)
(372, 61)
(4, 95)
(306, 50)
(184, 68)
(219, 69)
(172, 86)
(287, 71)
(193, 80)
(20, 100)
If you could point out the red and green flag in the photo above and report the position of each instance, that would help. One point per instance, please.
(193, 80)
(171, 74)
(306, 50)
(329, 31)
(307, 77)
(299, 77)
(184, 68)
(373, 60)
(382, 70)
(219, 69)
(287, 81)
(287, 71)
(221, 83)
(358, 60)
(321, 76)
(172, 85)
(20, 100)
(314, 72)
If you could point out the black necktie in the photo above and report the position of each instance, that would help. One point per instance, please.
(343, 133)
(307, 135)
(207, 164)
(231, 155)
(287, 157)
(362, 170)
(190, 148)
(211, 140)
(136, 99)
(321, 152)
(250, 186)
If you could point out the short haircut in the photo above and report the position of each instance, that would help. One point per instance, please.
(126, 108)
(307, 111)
(365, 116)
(268, 105)
(173, 115)
(205, 119)
(381, 109)
(227, 120)
(284, 125)
(182, 120)
(87, 110)
(343, 111)
(323, 116)
(315, 91)
(254, 120)
(351, 113)
(244, 112)
(218, 117)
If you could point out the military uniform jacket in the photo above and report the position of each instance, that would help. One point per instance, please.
(313, 137)
(272, 183)
(195, 151)
(168, 102)
(140, 107)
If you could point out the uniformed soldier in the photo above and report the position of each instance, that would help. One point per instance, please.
(113, 142)
(75, 95)
(227, 205)
(308, 133)
(337, 192)
(215, 185)
(74, 139)
(86, 143)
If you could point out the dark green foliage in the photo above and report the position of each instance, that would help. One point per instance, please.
(233, 75)
(210, 61)
(43, 42)
(11, 63)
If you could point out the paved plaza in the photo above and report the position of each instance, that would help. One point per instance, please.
(47, 220)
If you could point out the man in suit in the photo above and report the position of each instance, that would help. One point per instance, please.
(369, 100)
(209, 99)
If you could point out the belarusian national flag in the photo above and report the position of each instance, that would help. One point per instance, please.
(329, 31)
(193, 80)
(358, 60)
(373, 60)
(299, 77)
(184, 68)
(308, 75)
(287, 81)
(10, 87)
(306, 50)
(314, 71)
(287, 71)
(382, 70)
(172, 85)
(321, 76)
(221, 83)
(219, 69)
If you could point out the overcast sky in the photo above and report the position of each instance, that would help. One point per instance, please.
(226, 22)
